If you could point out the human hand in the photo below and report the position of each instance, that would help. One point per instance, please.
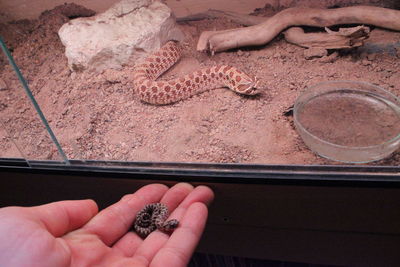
(74, 233)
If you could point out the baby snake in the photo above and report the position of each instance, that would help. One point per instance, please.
(153, 217)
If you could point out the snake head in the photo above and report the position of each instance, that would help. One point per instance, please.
(170, 225)
(246, 84)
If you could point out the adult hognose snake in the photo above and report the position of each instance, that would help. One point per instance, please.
(165, 92)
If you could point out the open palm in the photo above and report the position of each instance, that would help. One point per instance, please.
(74, 233)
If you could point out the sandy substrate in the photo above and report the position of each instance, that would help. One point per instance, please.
(98, 116)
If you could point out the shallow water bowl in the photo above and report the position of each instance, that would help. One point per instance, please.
(353, 122)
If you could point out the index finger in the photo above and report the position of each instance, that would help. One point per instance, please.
(113, 222)
(183, 241)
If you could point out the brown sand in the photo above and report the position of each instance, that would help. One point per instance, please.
(98, 116)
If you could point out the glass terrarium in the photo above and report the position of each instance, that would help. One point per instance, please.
(98, 100)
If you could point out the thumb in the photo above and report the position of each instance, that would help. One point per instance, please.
(64, 216)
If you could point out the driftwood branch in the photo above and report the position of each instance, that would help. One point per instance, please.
(262, 33)
(344, 38)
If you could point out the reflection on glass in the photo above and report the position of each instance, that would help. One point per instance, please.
(22, 118)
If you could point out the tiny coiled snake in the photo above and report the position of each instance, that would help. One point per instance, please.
(151, 217)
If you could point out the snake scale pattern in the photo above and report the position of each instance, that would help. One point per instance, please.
(152, 217)
(166, 92)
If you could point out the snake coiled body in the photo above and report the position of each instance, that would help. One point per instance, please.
(165, 92)
(153, 217)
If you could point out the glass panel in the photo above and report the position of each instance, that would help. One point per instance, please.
(97, 116)
(22, 118)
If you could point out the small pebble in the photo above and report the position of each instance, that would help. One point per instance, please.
(3, 85)
(371, 57)
(331, 58)
(112, 76)
(315, 52)
(365, 62)
(397, 52)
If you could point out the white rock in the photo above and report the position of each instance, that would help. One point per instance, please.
(125, 32)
